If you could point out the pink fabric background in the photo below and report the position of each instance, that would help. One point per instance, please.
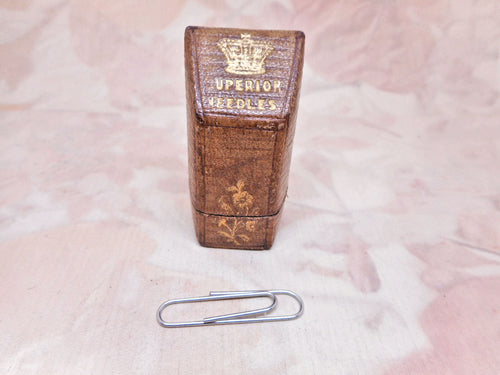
(391, 230)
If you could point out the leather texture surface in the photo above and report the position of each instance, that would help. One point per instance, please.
(240, 130)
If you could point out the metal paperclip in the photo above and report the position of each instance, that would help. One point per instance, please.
(250, 316)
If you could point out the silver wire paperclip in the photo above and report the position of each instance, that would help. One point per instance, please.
(251, 316)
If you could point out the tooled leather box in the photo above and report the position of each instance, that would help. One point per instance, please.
(242, 89)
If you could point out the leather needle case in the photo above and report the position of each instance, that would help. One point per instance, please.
(242, 89)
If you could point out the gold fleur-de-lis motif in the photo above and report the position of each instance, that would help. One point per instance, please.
(238, 203)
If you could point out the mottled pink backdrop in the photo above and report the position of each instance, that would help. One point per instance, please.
(391, 230)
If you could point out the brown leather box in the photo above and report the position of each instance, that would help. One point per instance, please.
(242, 89)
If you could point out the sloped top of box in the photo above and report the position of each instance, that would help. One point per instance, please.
(237, 74)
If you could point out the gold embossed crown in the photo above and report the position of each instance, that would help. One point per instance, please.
(245, 56)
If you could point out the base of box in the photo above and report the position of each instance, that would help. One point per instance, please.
(235, 232)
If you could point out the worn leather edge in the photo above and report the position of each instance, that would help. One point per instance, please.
(194, 120)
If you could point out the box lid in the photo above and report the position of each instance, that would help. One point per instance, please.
(243, 75)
